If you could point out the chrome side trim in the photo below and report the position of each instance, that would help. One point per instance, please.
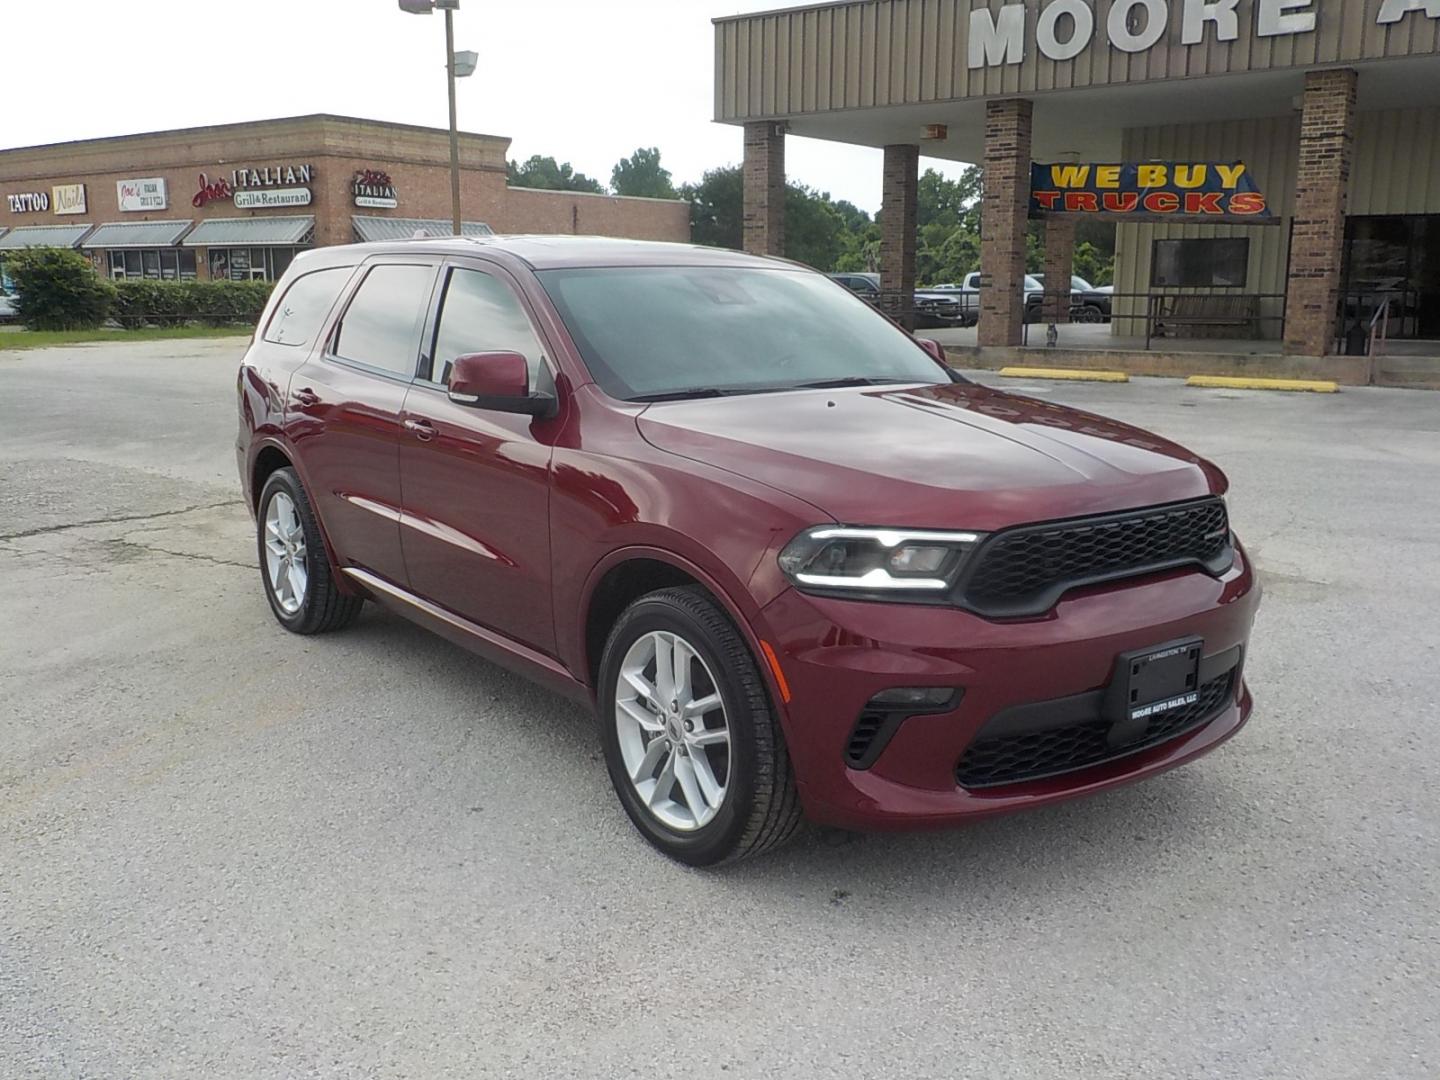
(449, 535)
(389, 513)
(488, 638)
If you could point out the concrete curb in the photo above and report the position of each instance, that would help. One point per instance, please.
(1302, 386)
(1064, 374)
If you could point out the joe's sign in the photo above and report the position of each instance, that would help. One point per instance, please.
(1203, 189)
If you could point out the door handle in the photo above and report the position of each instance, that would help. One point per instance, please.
(307, 397)
(423, 429)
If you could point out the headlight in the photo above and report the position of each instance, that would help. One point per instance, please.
(908, 562)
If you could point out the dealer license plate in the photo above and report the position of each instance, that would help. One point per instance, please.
(1165, 679)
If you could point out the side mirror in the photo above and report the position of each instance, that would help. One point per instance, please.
(499, 381)
(934, 348)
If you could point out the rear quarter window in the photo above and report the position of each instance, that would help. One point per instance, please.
(301, 311)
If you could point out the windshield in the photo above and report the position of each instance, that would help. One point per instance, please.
(673, 331)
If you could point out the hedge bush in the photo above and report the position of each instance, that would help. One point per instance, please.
(58, 289)
(175, 303)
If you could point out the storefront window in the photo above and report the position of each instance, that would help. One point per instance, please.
(249, 264)
(1219, 262)
(156, 264)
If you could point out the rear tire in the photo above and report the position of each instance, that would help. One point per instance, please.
(668, 761)
(295, 570)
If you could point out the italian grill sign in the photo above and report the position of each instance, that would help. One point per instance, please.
(1217, 191)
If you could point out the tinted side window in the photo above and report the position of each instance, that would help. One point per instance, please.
(480, 314)
(302, 310)
(381, 327)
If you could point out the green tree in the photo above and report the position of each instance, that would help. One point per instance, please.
(544, 172)
(717, 208)
(58, 289)
(948, 237)
(642, 175)
(814, 228)
(955, 203)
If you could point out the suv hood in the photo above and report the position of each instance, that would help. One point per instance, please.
(948, 457)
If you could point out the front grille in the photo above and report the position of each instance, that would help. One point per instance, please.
(1032, 755)
(1025, 571)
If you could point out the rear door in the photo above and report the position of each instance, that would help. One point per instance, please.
(346, 401)
(476, 522)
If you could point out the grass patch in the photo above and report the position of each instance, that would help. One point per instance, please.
(42, 339)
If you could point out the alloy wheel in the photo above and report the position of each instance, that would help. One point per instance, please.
(286, 563)
(673, 731)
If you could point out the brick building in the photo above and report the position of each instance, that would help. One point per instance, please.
(239, 200)
(1332, 108)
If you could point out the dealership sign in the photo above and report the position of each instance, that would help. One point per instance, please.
(68, 198)
(138, 196)
(1066, 28)
(31, 202)
(375, 190)
(1201, 189)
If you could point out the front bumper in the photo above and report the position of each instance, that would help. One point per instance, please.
(837, 654)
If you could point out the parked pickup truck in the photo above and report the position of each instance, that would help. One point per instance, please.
(934, 308)
(968, 293)
(1087, 303)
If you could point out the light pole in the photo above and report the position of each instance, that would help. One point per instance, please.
(457, 66)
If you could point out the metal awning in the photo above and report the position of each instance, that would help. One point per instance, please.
(370, 229)
(58, 236)
(252, 232)
(137, 234)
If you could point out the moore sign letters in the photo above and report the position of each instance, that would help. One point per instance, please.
(1066, 28)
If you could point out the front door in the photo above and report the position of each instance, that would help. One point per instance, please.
(345, 420)
(1394, 260)
(476, 483)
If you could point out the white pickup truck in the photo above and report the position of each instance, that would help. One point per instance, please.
(969, 296)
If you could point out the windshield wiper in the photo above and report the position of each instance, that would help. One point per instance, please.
(709, 392)
(853, 380)
(680, 395)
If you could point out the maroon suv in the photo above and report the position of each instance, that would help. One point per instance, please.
(800, 568)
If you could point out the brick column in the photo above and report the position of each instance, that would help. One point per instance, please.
(1004, 209)
(764, 181)
(899, 206)
(1317, 241)
(1059, 265)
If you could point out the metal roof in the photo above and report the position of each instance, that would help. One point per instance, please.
(28, 236)
(258, 231)
(137, 234)
(371, 229)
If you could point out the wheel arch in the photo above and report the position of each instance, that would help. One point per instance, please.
(629, 573)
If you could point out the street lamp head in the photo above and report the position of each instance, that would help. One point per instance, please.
(466, 63)
(418, 7)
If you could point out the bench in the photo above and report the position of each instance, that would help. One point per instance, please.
(1207, 317)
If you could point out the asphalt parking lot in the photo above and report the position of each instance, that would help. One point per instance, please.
(228, 852)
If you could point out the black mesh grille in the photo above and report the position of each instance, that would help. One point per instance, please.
(1026, 570)
(1012, 759)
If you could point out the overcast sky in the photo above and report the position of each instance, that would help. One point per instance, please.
(580, 80)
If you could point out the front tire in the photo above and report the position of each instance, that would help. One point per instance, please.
(692, 745)
(296, 572)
